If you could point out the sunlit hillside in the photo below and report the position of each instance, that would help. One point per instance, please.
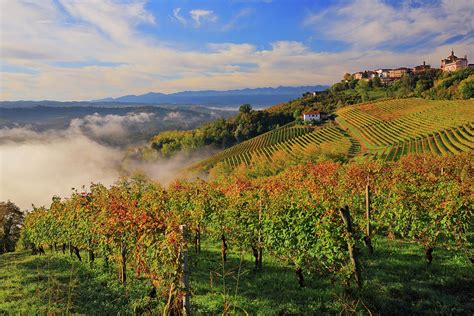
(386, 129)
(295, 140)
(390, 129)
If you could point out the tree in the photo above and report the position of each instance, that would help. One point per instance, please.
(406, 85)
(421, 86)
(362, 87)
(11, 219)
(466, 88)
(353, 83)
(245, 108)
(376, 82)
(339, 86)
(347, 76)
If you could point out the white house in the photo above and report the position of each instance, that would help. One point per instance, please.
(312, 116)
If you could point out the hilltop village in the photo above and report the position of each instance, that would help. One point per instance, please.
(419, 81)
(448, 64)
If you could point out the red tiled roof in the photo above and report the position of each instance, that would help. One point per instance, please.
(312, 113)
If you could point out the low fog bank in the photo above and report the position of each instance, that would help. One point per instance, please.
(35, 166)
(116, 126)
(111, 129)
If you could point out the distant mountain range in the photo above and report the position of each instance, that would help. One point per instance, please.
(255, 97)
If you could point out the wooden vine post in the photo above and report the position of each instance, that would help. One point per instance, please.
(260, 248)
(185, 268)
(197, 237)
(197, 240)
(123, 265)
(367, 207)
(346, 217)
(91, 252)
(223, 248)
(367, 239)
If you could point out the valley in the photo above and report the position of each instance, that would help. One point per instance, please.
(239, 157)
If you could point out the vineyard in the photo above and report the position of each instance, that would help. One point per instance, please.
(323, 220)
(326, 230)
(385, 130)
(291, 139)
(390, 129)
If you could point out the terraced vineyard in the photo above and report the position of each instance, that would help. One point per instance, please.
(292, 139)
(385, 130)
(393, 128)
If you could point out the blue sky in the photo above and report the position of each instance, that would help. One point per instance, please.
(255, 22)
(88, 49)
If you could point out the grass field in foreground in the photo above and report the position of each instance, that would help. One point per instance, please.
(397, 280)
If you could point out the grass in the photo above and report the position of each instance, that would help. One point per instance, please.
(397, 280)
(55, 283)
(271, 291)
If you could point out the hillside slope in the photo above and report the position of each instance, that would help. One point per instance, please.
(292, 139)
(390, 129)
(432, 85)
(385, 129)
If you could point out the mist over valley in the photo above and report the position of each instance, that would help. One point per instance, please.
(46, 151)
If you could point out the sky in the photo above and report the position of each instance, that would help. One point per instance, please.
(90, 49)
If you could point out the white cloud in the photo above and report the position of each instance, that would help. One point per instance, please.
(368, 24)
(116, 21)
(76, 33)
(200, 15)
(234, 23)
(178, 17)
(173, 116)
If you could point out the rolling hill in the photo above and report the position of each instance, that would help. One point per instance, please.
(257, 97)
(385, 129)
(393, 128)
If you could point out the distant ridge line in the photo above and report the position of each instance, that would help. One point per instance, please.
(254, 96)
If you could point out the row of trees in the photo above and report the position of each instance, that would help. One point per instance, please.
(313, 217)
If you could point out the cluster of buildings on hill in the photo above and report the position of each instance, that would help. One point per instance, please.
(451, 63)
